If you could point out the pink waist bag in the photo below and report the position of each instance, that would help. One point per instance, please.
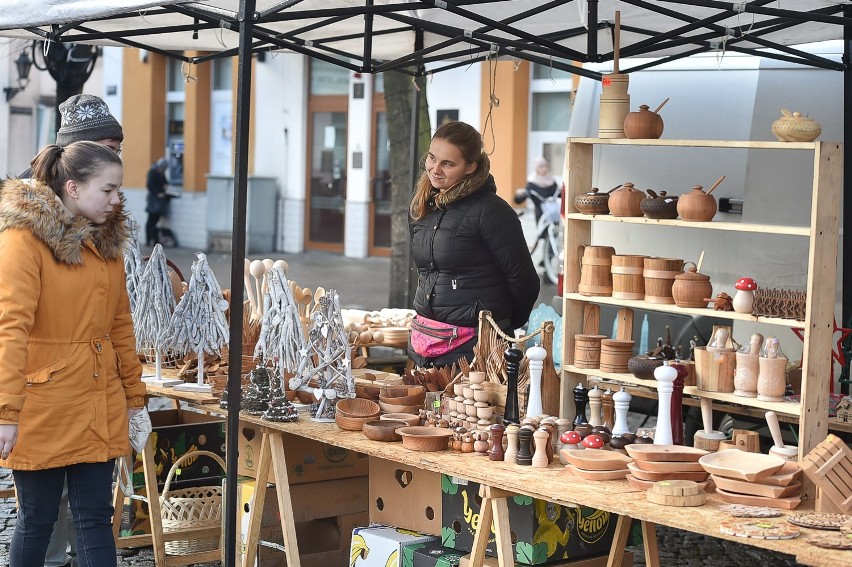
(432, 338)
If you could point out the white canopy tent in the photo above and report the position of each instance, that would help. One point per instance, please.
(372, 36)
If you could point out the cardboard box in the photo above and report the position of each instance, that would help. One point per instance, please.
(322, 543)
(542, 532)
(177, 432)
(307, 460)
(380, 546)
(599, 561)
(311, 501)
(405, 496)
(429, 554)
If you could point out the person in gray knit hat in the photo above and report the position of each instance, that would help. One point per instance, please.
(87, 117)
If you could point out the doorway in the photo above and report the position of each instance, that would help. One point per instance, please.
(327, 167)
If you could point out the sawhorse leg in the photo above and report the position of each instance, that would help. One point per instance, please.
(619, 542)
(272, 451)
(494, 509)
(154, 514)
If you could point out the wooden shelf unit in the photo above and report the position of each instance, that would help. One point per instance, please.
(822, 234)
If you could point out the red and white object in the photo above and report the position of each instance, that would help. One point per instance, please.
(744, 298)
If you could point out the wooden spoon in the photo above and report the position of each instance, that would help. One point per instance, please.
(319, 293)
(715, 185)
(662, 104)
(258, 270)
(280, 264)
(267, 263)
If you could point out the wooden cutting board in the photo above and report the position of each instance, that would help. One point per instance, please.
(624, 327)
(829, 466)
(591, 319)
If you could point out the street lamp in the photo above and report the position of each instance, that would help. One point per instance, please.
(23, 64)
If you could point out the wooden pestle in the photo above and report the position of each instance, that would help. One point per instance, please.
(787, 452)
(708, 439)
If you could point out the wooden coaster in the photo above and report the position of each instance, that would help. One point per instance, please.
(742, 511)
(819, 521)
(759, 529)
(831, 541)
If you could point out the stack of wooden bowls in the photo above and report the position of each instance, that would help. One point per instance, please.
(655, 463)
(595, 464)
(351, 414)
(402, 399)
(754, 479)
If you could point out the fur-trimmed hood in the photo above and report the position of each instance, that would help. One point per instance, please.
(31, 205)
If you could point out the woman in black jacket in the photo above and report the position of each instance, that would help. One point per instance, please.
(469, 248)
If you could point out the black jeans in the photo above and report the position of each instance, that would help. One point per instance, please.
(152, 233)
(90, 496)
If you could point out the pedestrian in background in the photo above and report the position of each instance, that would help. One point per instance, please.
(69, 374)
(469, 248)
(540, 185)
(158, 200)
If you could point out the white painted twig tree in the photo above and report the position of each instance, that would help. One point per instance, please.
(155, 303)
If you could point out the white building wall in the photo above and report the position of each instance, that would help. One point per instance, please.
(359, 135)
(457, 89)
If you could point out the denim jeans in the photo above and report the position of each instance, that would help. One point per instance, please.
(90, 497)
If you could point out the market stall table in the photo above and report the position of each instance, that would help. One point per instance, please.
(500, 480)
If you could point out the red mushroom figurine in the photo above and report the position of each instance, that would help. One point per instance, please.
(593, 442)
(744, 298)
(571, 440)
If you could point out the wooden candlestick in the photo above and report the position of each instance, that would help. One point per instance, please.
(607, 405)
(595, 407)
(496, 453)
(621, 401)
(540, 460)
(677, 404)
(511, 453)
(665, 376)
(511, 413)
(581, 396)
(525, 437)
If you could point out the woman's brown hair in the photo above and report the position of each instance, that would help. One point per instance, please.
(469, 142)
(55, 165)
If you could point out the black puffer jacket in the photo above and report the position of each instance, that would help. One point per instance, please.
(472, 256)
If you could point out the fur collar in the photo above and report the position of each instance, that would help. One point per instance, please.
(33, 206)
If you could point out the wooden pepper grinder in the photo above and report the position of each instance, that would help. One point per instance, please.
(677, 404)
(581, 396)
(535, 355)
(562, 425)
(665, 376)
(595, 407)
(607, 405)
(621, 401)
(525, 437)
(512, 413)
(539, 459)
(511, 453)
(551, 434)
(496, 453)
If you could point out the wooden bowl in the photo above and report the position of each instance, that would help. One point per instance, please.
(367, 392)
(383, 429)
(410, 400)
(421, 438)
(410, 419)
(351, 423)
(358, 407)
(596, 475)
(741, 465)
(402, 391)
(596, 459)
(669, 466)
(305, 397)
(756, 489)
(399, 408)
(650, 476)
(664, 452)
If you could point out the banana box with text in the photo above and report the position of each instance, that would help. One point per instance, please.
(542, 532)
(382, 546)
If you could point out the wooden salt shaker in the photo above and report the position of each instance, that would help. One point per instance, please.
(621, 401)
(539, 459)
(496, 453)
(581, 396)
(511, 453)
(525, 437)
(607, 405)
(595, 407)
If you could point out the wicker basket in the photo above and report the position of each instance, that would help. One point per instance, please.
(197, 507)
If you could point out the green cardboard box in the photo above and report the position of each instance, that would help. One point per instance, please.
(429, 554)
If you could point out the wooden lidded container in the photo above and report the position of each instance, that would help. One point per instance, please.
(587, 350)
(615, 354)
(643, 124)
(626, 201)
(691, 289)
(660, 274)
(628, 281)
(595, 274)
(697, 206)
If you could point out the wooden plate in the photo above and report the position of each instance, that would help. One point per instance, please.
(819, 521)
(639, 484)
(755, 488)
(759, 528)
(596, 459)
(597, 475)
(788, 503)
(741, 465)
(669, 466)
(658, 476)
(420, 438)
(647, 452)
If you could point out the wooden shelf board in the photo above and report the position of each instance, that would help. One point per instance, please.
(695, 312)
(742, 144)
(713, 225)
(787, 408)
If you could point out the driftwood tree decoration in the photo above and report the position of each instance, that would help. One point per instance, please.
(331, 377)
(133, 269)
(198, 323)
(281, 341)
(152, 314)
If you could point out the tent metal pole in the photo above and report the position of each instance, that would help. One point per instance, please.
(592, 27)
(238, 254)
(846, 282)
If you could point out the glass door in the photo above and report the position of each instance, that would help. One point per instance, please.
(327, 190)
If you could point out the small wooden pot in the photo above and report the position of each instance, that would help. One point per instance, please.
(662, 206)
(615, 354)
(628, 281)
(643, 124)
(691, 289)
(625, 201)
(592, 203)
(660, 274)
(697, 206)
(595, 271)
(587, 351)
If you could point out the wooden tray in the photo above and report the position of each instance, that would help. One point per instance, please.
(790, 472)
(788, 503)
(658, 476)
(669, 466)
(596, 475)
(649, 452)
(639, 484)
(741, 465)
(596, 459)
(829, 466)
(755, 488)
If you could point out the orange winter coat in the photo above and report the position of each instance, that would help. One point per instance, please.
(68, 366)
